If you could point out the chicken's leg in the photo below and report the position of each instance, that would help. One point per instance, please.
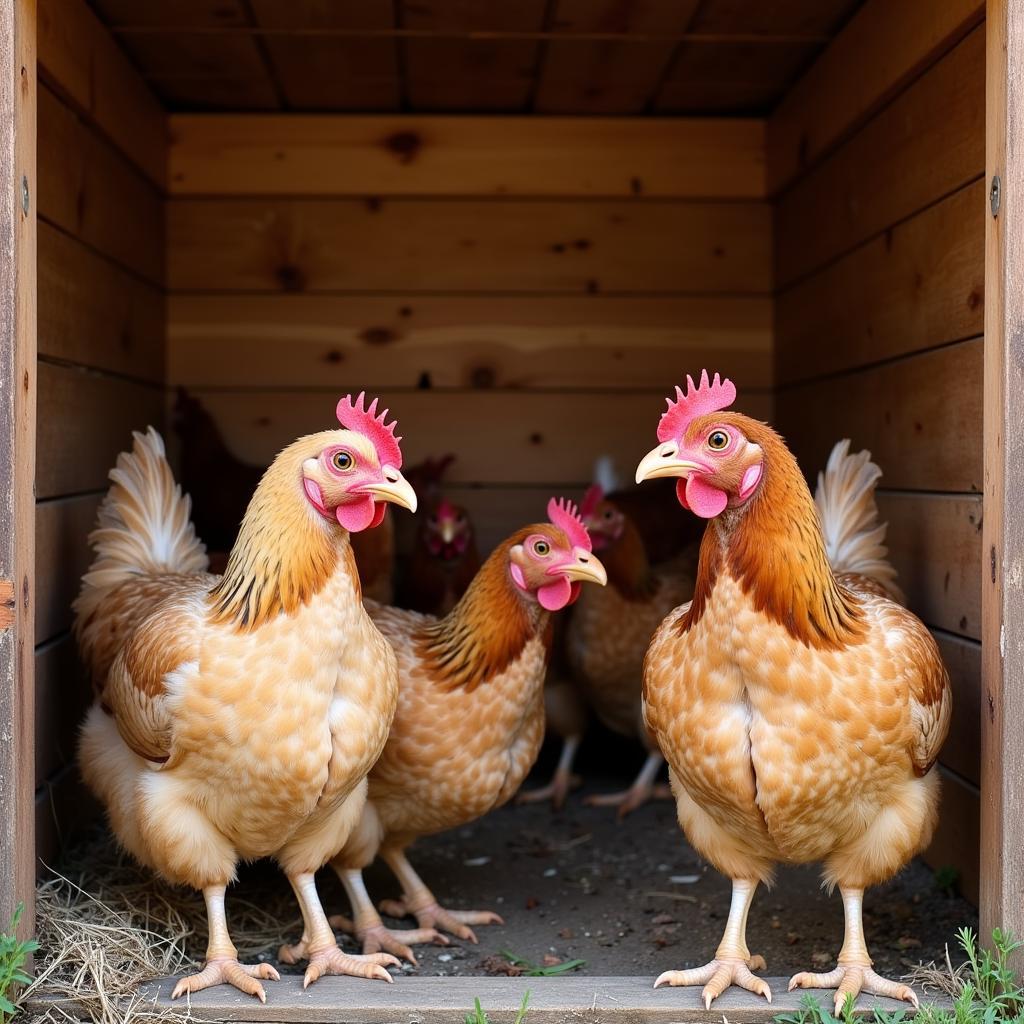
(854, 974)
(222, 966)
(419, 901)
(733, 963)
(561, 782)
(642, 790)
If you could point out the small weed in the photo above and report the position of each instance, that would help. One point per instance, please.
(947, 879)
(13, 954)
(478, 1016)
(532, 970)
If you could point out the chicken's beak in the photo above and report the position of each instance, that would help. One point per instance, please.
(585, 567)
(664, 461)
(394, 488)
(447, 531)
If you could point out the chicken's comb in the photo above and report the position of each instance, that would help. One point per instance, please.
(356, 416)
(446, 510)
(593, 498)
(707, 397)
(566, 517)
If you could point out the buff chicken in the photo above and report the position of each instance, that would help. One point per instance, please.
(237, 717)
(801, 708)
(469, 723)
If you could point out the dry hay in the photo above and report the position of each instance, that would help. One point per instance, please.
(945, 979)
(107, 926)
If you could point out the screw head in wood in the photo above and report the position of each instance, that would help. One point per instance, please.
(24, 194)
(995, 195)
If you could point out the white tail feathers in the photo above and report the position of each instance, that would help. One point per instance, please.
(144, 525)
(854, 538)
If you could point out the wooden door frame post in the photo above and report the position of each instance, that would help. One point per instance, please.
(1002, 729)
(17, 456)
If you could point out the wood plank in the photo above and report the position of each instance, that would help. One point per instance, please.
(85, 419)
(308, 15)
(842, 89)
(926, 144)
(18, 99)
(538, 434)
(179, 14)
(613, 16)
(919, 285)
(7, 601)
(93, 193)
(438, 245)
(62, 696)
(962, 750)
(63, 555)
(464, 341)
(444, 156)
(472, 16)
(919, 416)
(957, 840)
(772, 17)
(934, 541)
(80, 59)
(1002, 742)
(93, 313)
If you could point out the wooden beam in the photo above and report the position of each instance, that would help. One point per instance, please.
(1002, 774)
(843, 89)
(18, 189)
(447, 156)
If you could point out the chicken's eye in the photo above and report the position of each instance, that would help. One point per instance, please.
(608, 513)
(541, 547)
(342, 461)
(718, 440)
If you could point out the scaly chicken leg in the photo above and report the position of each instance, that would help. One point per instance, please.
(642, 790)
(562, 782)
(419, 901)
(222, 966)
(854, 973)
(733, 963)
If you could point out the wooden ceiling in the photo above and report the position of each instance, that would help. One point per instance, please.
(715, 57)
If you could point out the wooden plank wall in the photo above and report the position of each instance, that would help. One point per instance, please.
(521, 292)
(101, 146)
(879, 228)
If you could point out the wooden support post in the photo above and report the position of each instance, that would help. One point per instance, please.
(1002, 749)
(17, 454)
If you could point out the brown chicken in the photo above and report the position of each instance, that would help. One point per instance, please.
(470, 718)
(237, 717)
(800, 707)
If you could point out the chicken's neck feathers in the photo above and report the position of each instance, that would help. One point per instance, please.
(629, 570)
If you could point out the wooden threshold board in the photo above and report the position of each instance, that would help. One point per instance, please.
(416, 1000)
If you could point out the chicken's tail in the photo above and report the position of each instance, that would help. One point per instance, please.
(854, 538)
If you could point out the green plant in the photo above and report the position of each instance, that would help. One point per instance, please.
(947, 879)
(532, 970)
(478, 1016)
(13, 954)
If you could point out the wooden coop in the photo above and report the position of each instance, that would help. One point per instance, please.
(520, 223)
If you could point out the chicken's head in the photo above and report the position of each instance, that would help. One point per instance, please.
(447, 531)
(604, 521)
(709, 449)
(354, 471)
(552, 561)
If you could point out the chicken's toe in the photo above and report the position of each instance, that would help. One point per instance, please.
(378, 939)
(333, 961)
(228, 971)
(718, 975)
(432, 916)
(851, 980)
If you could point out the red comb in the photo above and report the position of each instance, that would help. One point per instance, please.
(565, 516)
(708, 397)
(593, 498)
(355, 416)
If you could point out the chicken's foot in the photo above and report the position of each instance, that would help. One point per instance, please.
(420, 902)
(733, 964)
(854, 974)
(642, 790)
(222, 966)
(562, 782)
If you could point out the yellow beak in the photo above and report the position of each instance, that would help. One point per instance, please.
(447, 531)
(664, 461)
(394, 488)
(586, 568)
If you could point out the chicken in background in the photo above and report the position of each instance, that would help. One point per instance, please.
(469, 723)
(220, 484)
(237, 717)
(800, 706)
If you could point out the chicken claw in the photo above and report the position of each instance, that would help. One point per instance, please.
(642, 790)
(376, 938)
(433, 915)
(228, 971)
(852, 979)
(718, 975)
(557, 791)
(333, 961)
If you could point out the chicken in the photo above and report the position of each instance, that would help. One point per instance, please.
(237, 717)
(220, 485)
(801, 708)
(608, 633)
(470, 719)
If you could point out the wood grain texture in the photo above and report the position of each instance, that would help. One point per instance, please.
(918, 416)
(7, 601)
(1002, 827)
(957, 837)
(18, 96)
(90, 191)
(464, 341)
(843, 89)
(80, 60)
(919, 285)
(928, 143)
(934, 542)
(962, 750)
(465, 156)
(63, 695)
(452, 245)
